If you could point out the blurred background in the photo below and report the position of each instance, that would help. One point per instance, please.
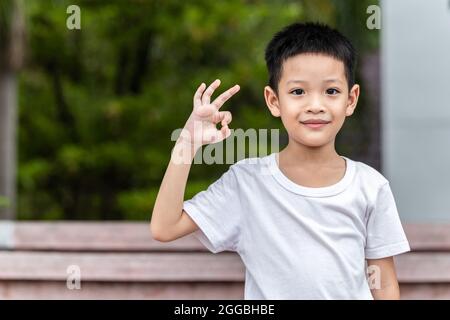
(96, 107)
(86, 118)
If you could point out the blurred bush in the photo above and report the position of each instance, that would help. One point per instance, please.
(98, 105)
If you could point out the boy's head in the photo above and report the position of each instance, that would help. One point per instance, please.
(311, 76)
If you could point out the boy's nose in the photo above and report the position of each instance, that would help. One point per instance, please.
(315, 106)
(315, 103)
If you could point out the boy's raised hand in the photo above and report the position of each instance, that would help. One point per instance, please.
(200, 128)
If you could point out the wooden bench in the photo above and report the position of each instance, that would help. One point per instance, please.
(120, 260)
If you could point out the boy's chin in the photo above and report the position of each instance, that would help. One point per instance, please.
(311, 143)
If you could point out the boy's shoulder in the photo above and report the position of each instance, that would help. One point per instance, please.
(252, 164)
(261, 160)
(367, 173)
(251, 167)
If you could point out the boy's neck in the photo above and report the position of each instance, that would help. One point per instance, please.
(314, 156)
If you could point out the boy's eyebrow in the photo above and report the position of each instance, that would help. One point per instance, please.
(304, 81)
(297, 81)
(333, 80)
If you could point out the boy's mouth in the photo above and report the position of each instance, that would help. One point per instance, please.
(315, 123)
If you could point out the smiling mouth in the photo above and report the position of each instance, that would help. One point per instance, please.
(315, 125)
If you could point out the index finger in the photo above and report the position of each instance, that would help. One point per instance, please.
(220, 100)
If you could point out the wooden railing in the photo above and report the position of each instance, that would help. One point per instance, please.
(118, 260)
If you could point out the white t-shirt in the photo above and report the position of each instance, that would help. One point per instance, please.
(300, 242)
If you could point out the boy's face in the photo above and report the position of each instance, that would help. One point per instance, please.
(312, 86)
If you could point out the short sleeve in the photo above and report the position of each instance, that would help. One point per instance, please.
(217, 212)
(385, 235)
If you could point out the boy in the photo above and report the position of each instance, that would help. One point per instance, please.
(305, 221)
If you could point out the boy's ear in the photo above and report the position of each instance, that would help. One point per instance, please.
(352, 100)
(272, 101)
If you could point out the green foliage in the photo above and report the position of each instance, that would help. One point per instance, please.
(4, 202)
(98, 105)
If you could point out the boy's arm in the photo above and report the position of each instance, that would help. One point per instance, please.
(387, 287)
(169, 201)
(169, 221)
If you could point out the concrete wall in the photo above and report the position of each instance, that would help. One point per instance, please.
(415, 116)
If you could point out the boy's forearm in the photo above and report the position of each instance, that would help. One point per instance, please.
(169, 201)
(391, 292)
(386, 288)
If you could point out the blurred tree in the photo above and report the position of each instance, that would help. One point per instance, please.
(11, 53)
(98, 105)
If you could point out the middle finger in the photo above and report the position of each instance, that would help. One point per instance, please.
(206, 98)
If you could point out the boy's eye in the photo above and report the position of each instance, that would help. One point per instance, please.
(332, 91)
(298, 92)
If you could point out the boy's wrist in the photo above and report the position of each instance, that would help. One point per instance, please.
(187, 143)
(184, 151)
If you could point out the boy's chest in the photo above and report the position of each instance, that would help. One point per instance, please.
(316, 178)
(274, 206)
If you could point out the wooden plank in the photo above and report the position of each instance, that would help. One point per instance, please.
(136, 237)
(120, 260)
(411, 267)
(89, 236)
(182, 290)
(423, 267)
(118, 267)
(106, 290)
(428, 237)
(425, 291)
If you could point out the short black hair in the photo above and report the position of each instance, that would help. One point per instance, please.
(308, 37)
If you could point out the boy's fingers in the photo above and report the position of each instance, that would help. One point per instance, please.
(224, 118)
(220, 100)
(206, 98)
(224, 133)
(198, 95)
(205, 111)
(219, 135)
